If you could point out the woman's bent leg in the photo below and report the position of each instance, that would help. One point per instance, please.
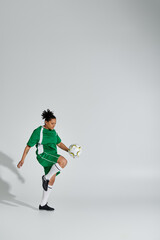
(57, 167)
(62, 163)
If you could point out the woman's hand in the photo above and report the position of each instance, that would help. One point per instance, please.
(20, 163)
(26, 150)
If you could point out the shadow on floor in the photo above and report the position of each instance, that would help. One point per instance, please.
(5, 196)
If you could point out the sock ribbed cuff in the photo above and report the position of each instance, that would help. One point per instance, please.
(58, 166)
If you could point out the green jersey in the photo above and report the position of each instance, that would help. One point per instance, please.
(48, 138)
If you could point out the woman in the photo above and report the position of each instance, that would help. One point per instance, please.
(46, 140)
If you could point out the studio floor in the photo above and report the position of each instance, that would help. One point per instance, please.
(81, 219)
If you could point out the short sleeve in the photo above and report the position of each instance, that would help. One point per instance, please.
(34, 138)
(58, 139)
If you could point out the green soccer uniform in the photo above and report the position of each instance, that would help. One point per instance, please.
(46, 141)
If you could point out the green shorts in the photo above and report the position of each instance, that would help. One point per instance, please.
(47, 160)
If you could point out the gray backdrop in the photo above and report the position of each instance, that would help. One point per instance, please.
(96, 65)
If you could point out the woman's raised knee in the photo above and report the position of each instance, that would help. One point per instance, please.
(62, 161)
(65, 162)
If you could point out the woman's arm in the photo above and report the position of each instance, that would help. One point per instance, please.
(26, 150)
(62, 146)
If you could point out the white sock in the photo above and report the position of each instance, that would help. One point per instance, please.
(46, 195)
(54, 169)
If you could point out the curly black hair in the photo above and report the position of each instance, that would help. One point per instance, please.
(48, 115)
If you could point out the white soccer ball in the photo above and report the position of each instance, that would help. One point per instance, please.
(75, 150)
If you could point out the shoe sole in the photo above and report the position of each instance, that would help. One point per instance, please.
(47, 210)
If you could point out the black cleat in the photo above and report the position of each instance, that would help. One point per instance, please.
(45, 207)
(45, 183)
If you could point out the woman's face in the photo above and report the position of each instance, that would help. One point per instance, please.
(50, 124)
